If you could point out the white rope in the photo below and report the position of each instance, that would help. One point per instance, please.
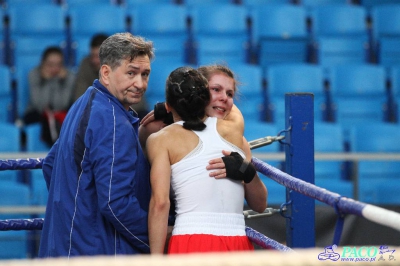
(382, 216)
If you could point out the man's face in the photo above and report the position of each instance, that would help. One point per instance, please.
(222, 91)
(129, 81)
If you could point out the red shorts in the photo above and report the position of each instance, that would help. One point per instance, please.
(208, 243)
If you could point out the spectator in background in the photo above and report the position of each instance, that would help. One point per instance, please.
(51, 90)
(89, 71)
(89, 67)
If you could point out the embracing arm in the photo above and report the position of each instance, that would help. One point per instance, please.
(160, 185)
(255, 191)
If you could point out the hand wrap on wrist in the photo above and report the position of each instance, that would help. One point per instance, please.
(160, 113)
(238, 169)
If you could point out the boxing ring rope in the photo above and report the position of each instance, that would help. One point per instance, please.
(341, 204)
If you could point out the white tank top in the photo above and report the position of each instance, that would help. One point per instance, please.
(194, 189)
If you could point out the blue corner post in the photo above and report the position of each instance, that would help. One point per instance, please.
(299, 116)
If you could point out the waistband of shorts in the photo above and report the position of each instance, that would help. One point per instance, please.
(220, 224)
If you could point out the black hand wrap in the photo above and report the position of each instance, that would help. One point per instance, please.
(238, 169)
(160, 113)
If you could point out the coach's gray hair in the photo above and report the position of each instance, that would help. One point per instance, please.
(121, 46)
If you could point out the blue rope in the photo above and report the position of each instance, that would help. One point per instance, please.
(21, 164)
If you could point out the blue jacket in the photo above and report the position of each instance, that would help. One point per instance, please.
(98, 181)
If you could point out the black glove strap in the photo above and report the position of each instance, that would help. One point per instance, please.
(160, 113)
(238, 169)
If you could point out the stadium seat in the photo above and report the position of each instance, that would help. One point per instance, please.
(257, 129)
(33, 26)
(254, 3)
(287, 78)
(160, 70)
(9, 143)
(33, 139)
(386, 33)
(315, 3)
(132, 3)
(85, 18)
(331, 51)
(359, 93)
(230, 50)
(222, 24)
(377, 179)
(340, 34)
(13, 244)
(339, 20)
(11, 3)
(279, 34)
(24, 65)
(9, 138)
(249, 96)
(6, 96)
(394, 93)
(37, 20)
(190, 3)
(329, 138)
(33, 47)
(369, 4)
(165, 25)
(70, 3)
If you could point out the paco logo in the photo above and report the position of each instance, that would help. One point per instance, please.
(355, 254)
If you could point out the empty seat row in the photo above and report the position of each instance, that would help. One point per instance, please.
(260, 32)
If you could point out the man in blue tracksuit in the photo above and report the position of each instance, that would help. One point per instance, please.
(96, 172)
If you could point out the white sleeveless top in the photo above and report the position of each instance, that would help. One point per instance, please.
(205, 204)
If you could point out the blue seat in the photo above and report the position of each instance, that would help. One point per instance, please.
(9, 142)
(222, 24)
(249, 96)
(369, 4)
(339, 20)
(377, 179)
(386, 33)
(70, 3)
(279, 34)
(6, 96)
(331, 51)
(24, 64)
(132, 3)
(33, 46)
(164, 24)
(314, 3)
(340, 34)
(18, 2)
(85, 18)
(13, 244)
(33, 138)
(254, 3)
(190, 3)
(258, 129)
(33, 26)
(160, 70)
(229, 50)
(394, 93)
(9, 138)
(329, 137)
(359, 93)
(37, 20)
(288, 78)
